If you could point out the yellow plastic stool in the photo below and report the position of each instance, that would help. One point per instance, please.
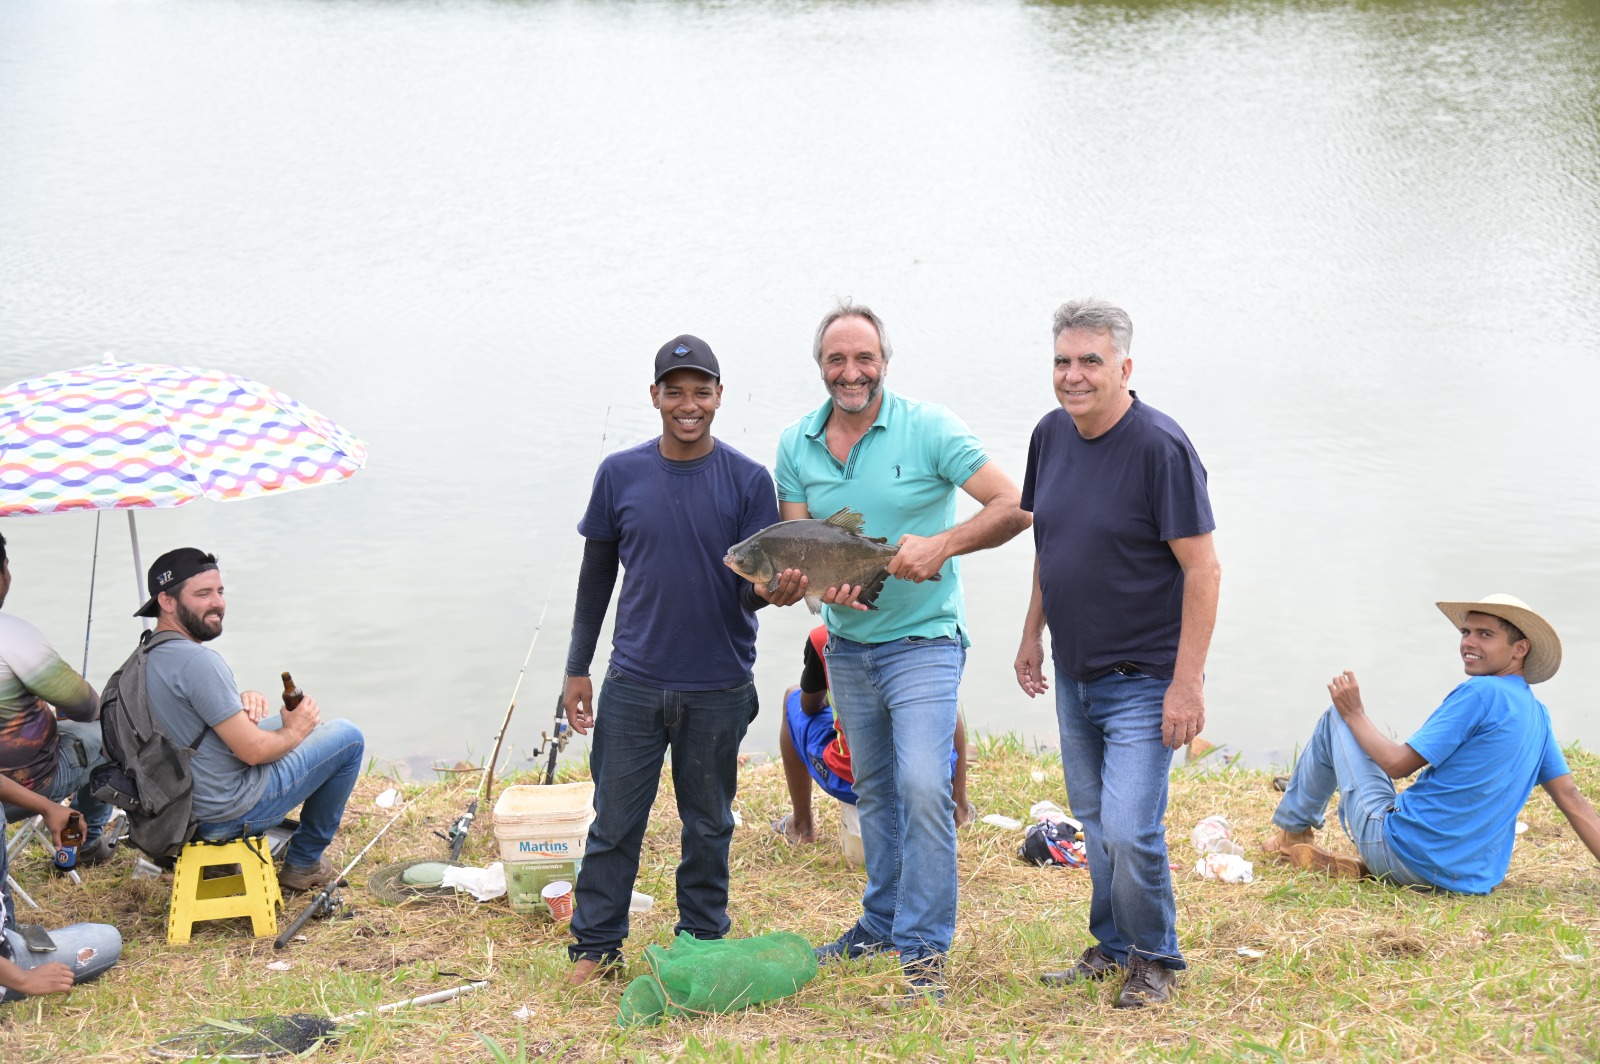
(251, 892)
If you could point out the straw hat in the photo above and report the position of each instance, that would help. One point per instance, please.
(1544, 652)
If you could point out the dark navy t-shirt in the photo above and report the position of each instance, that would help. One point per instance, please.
(1103, 511)
(681, 622)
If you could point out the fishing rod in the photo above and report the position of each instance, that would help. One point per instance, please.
(463, 825)
(457, 835)
(325, 897)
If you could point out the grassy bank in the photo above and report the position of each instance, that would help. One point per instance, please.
(1347, 970)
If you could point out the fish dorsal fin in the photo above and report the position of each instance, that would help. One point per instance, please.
(848, 520)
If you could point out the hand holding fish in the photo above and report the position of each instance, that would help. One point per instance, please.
(918, 558)
(788, 588)
(1030, 668)
(577, 696)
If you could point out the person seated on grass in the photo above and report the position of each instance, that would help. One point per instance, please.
(813, 748)
(82, 951)
(1481, 752)
(50, 725)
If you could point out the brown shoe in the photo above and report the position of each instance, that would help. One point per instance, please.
(303, 879)
(588, 970)
(1092, 965)
(1316, 859)
(1148, 983)
(1278, 844)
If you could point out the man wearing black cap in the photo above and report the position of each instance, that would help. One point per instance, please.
(250, 770)
(680, 676)
(49, 753)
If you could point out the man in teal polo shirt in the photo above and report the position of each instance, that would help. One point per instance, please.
(895, 671)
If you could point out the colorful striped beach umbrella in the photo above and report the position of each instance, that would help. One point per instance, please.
(130, 436)
(125, 435)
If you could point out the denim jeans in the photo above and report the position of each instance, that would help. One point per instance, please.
(78, 752)
(635, 727)
(88, 949)
(1334, 761)
(319, 774)
(898, 704)
(1116, 769)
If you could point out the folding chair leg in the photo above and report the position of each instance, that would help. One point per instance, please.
(16, 889)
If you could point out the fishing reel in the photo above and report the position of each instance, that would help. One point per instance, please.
(552, 747)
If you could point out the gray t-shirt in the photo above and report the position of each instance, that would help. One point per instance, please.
(192, 690)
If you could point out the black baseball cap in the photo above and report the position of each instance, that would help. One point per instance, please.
(686, 352)
(172, 569)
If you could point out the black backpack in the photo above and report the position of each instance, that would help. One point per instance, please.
(146, 773)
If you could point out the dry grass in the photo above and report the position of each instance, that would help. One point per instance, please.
(1351, 970)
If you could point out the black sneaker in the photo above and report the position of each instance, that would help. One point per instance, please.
(1148, 983)
(852, 944)
(925, 982)
(1094, 964)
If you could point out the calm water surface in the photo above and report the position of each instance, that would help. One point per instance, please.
(1358, 240)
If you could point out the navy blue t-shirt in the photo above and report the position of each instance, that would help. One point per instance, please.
(1103, 511)
(682, 624)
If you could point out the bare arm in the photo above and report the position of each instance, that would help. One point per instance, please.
(1396, 759)
(55, 814)
(1183, 715)
(255, 745)
(1576, 808)
(1030, 655)
(1001, 518)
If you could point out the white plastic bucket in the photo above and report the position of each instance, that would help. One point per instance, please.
(544, 823)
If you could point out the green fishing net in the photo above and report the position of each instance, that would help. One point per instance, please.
(693, 976)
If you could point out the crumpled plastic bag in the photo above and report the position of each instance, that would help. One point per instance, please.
(1228, 867)
(485, 884)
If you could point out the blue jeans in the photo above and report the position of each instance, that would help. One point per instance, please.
(319, 773)
(898, 704)
(1334, 761)
(88, 949)
(1116, 769)
(635, 726)
(79, 751)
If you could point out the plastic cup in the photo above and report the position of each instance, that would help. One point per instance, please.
(558, 899)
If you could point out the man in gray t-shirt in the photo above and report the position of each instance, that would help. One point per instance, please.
(250, 770)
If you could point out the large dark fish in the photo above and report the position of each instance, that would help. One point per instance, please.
(830, 553)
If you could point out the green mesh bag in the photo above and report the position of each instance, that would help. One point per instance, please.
(691, 976)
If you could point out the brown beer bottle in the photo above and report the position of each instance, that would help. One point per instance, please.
(71, 838)
(291, 694)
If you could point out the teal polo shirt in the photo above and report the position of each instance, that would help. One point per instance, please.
(902, 477)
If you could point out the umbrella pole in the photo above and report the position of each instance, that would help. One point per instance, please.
(94, 567)
(138, 568)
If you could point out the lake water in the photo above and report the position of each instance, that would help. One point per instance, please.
(1358, 241)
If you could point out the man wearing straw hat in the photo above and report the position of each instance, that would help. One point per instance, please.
(1480, 752)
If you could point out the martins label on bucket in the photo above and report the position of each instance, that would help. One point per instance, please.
(548, 846)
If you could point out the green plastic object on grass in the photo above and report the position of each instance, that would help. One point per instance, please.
(691, 976)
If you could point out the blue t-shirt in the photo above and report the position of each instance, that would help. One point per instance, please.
(682, 624)
(1103, 511)
(1487, 747)
(902, 477)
